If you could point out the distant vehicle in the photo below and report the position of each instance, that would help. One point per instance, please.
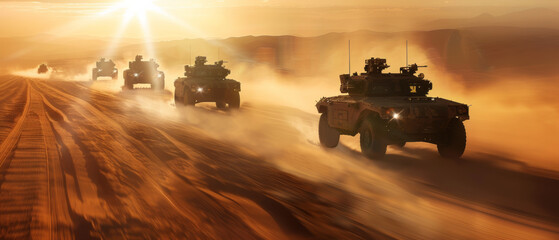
(42, 69)
(104, 68)
(207, 83)
(392, 109)
(144, 72)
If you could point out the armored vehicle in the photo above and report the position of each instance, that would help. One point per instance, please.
(42, 69)
(392, 109)
(144, 72)
(104, 68)
(207, 83)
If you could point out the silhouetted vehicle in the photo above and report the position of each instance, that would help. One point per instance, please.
(42, 69)
(104, 68)
(207, 83)
(392, 109)
(144, 72)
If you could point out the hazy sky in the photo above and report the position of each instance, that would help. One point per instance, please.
(223, 18)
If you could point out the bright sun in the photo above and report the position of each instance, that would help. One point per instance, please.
(137, 7)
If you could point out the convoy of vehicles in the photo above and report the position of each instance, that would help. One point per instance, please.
(383, 108)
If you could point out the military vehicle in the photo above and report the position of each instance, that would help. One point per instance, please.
(144, 72)
(42, 69)
(392, 109)
(207, 83)
(104, 68)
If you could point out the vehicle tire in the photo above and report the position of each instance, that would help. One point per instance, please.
(372, 143)
(161, 81)
(220, 104)
(329, 137)
(188, 98)
(158, 84)
(234, 100)
(453, 141)
(178, 100)
(128, 84)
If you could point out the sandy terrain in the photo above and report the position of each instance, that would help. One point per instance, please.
(80, 162)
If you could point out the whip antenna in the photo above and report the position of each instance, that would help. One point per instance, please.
(349, 56)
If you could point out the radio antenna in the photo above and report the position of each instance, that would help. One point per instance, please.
(190, 55)
(349, 56)
(407, 54)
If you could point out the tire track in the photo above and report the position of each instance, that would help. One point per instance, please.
(25, 186)
(11, 140)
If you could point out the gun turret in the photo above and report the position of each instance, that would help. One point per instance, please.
(375, 83)
(200, 61)
(412, 69)
(375, 65)
(208, 71)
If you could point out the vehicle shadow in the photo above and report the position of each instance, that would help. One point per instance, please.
(483, 179)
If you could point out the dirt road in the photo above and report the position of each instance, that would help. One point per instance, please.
(80, 162)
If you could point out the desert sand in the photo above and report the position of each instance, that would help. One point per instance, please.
(77, 162)
(88, 160)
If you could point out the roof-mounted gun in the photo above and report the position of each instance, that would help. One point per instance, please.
(411, 69)
(375, 65)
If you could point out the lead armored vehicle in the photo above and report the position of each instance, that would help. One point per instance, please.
(42, 69)
(144, 72)
(104, 68)
(391, 109)
(207, 83)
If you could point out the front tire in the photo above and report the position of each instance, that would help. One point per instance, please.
(234, 100)
(220, 104)
(453, 141)
(188, 97)
(371, 141)
(128, 84)
(329, 137)
(161, 82)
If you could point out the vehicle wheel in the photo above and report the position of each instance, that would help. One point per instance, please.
(128, 84)
(234, 100)
(188, 98)
(329, 137)
(178, 100)
(158, 84)
(220, 104)
(372, 143)
(453, 141)
(162, 81)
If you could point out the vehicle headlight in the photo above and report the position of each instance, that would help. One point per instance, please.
(200, 90)
(395, 116)
(159, 75)
(114, 70)
(99, 70)
(136, 75)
